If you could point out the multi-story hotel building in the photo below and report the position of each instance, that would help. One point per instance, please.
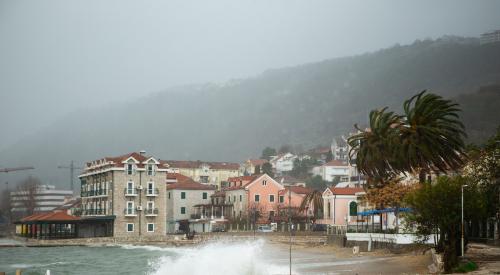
(128, 192)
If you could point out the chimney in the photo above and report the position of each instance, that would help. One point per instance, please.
(142, 152)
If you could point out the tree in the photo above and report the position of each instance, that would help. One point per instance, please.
(314, 199)
(317, 183)
(428, 137)
(267, 168)
(437, 210)
(285, 149)
(257, 169)
(268, 152)
(301, 167)
(28, 189)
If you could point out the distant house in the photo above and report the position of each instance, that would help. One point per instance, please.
(340, 149)
(205, 172)
(320, 154)
(250, 166)
(340, 205)
(183, 196)
(44, 198)
(257, 193)
(334, 169)
(283, 162)
(490, 37)
(71, 207)
(289, 180)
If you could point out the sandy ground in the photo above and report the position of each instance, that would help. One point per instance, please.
(329, 259)
(487, 258)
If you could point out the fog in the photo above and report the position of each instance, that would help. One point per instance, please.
(61, 56)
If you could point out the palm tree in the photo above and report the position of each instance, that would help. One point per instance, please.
(373, 148)
(431, 135)
(314, 198)
(428, 137)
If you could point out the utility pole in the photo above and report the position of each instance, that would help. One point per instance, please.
(290, 223)
(462, 240)
(72, 169)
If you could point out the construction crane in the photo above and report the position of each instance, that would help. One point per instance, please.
(7, 170)
(72, 169)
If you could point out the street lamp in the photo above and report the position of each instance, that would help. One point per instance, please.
(462, 241)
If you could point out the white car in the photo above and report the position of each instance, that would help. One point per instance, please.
(264, 229)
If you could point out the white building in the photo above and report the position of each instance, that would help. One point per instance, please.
(283, 162)
(335, 168)
(490, 37)
(43, 199)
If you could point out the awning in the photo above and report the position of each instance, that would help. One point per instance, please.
(387, 210)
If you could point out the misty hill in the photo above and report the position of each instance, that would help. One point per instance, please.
(307, 105)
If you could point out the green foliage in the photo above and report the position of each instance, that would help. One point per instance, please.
(465, 267)
(301, 167)
(268, 152)
(429, 136)
(317, 183)
(437, 208)
(267, 168)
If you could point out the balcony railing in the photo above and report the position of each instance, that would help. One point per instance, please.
(91, 193)
(195, 216)
(129, 212)
(152, 192)
(93, 212)
(130, 192)
(151, 211)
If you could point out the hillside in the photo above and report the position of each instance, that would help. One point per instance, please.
(306, 105)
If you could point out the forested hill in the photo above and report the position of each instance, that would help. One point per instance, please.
(307, 104)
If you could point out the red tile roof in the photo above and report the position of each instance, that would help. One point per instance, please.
(297, 190)
(244, 178)
(346, 190)
(256, 162)
(50, 217)
(178, 177)
(189, 186)
(198, 164)
(335, 163)
(117, 161)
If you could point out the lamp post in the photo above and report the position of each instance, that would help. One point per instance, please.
(462, 240)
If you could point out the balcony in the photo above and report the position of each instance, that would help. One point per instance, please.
(129, 212)
(153, 192)
(130, 192)
(93, 212)
(92, 193)
(151, 212)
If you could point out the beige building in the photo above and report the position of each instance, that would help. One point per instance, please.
(209, 173)
(126, 194)
(252, 166)
(183, 195)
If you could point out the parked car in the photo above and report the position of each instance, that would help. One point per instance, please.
(218, 229)
(264, 228)
(318, 227)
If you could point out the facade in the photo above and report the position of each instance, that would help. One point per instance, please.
(340, 205)
(204, 172)
(283, 162)
(43, 198)
(340, 149)
(249, 194)
(333, 169)
(490, 37)
(250, 166)
(289, 180)
(182, 197)
(126, 192)
(292, 197)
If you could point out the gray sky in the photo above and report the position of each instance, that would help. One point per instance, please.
(60, 56)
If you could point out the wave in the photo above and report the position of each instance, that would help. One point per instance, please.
(218, 258)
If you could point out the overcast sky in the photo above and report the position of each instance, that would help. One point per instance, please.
(60, 56)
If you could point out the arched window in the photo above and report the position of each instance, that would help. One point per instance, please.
(353, 208)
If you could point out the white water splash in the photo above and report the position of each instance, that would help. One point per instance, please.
(218, 258)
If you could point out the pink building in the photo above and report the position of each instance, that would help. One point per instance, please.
(253, 193)
(340, 205)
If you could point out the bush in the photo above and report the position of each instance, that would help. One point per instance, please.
(465, 267)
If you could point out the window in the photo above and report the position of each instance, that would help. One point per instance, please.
(183, 195)
(183, 210)
(271, 198)
(228, 198)
(151, 188)
(271, 213)
(241, 197)
(264, 182)
(151, 170)
(205, 195)
(130, 227)
(204, 179)
(151, 204)
(130, 208)
(151, 227)
(257, 198)
(168, 195)
(282, 199)
(353, 208)
(130, 169)
(130, 187)
(234, 198)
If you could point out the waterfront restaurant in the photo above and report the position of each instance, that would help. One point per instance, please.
(52, 225)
